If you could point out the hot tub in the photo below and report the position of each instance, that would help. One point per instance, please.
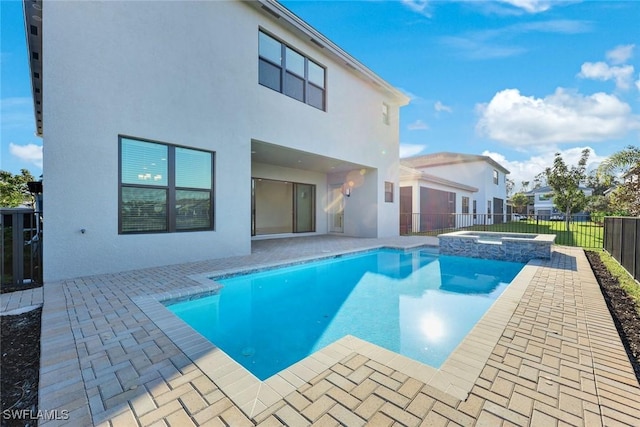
(519, 247)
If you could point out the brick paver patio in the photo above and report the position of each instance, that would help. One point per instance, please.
(558, 360)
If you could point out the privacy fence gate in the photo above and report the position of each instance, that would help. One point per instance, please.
(21, 247)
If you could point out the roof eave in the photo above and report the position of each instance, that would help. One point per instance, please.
(279, 12)
(33, 32)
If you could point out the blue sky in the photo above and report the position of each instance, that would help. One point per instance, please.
(514, 79)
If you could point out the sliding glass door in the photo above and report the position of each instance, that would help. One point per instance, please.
(282, 207)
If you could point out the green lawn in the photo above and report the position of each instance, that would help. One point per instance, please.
(585, 234)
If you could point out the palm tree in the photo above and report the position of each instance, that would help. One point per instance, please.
(621, 162)
(626, 197)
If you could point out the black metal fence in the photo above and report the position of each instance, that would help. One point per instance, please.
(582, 231)
(622, 241)
(21, 247)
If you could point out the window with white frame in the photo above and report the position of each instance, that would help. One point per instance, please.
(287, 71)
(495, 177)
(465, 205)
(164, 187)
(488, 209)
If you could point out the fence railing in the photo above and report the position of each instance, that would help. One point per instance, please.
(582, 231)
(21, 247)
(622, 241)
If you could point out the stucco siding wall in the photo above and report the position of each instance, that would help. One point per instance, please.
(185, 75)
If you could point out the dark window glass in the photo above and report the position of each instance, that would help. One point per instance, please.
(287, 71)
(164, 188)
(269, 75)
(294, 87)
(193, 209)
(143, 209)
(315, 97)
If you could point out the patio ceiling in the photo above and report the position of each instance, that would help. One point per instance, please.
(264, 152)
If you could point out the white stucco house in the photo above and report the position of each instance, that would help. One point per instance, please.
(177, 132)
(543, 206)
(471, 186)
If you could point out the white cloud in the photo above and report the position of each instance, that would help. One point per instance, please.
(559, 26)
(561, 117)
(623, 75)
(31, 153)
(474, 47)
(526, 170)
(418, 125)
(530, 6)
(496, 43)
(420, 6)
(408, 150)
(638, 82)
(620, 54)
(439, 106)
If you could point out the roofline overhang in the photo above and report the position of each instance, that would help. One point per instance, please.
(465, 158)
(411, 174)
(33, 32)
(291, 20)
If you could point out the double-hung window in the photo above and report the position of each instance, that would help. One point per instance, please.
(164, 188)
(287, 71)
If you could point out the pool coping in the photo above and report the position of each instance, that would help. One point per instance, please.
(456, 376)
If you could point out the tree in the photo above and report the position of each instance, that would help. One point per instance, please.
(600, 182)
(525, 186)
(625, 199)
(13, 189)
(519, 200)
(540, 180)
(598, 207)
(621, 162)
(510, 185)
(565, 183)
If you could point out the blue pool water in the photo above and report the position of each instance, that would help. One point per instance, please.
(414, 303)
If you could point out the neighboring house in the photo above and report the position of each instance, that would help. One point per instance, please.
(543, 205)
(469, 184)
(424, 198)
(179, 131)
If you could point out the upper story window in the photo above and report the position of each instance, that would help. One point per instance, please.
(495, 177)
(164, 188)
(287, 71)
(385, 113)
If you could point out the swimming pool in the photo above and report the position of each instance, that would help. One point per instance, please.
(414, 303)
